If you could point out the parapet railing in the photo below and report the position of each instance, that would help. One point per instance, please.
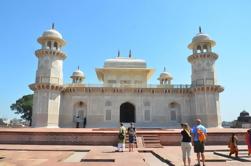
(172, 86)
(44, 79)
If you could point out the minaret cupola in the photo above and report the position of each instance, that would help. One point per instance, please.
(201, 43)
(51, 39)
(77, 76)
(165, 78)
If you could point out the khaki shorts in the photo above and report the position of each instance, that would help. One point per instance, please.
(186, 149)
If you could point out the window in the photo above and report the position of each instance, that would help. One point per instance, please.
(56, 45)
(173, 115)
(125, 82)
(108, 115)
(200, 82)
(198, 49)
(209, 81)
(205, 48)
(49, 44)
(147, 115)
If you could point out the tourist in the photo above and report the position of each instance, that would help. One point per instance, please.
(199, 137)
(186, 144)
(248, 141)
(77, 120)
(232, 144)
(132, 136)
(84, 122)
(122, 137)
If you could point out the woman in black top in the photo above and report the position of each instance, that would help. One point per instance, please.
(186, 144)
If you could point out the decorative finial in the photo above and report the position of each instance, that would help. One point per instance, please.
(199, 29)
(53, 26)
(78, 67)
(118, 54)
(130, 54)
(164, 69)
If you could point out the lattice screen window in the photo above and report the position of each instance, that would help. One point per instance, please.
(108, 115)
(147, 115)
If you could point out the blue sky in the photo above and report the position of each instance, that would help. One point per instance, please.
(157, 31)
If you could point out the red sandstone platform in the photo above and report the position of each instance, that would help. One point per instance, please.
(104, 136)
(58, 155)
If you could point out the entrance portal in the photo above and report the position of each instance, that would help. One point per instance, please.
(127, 113)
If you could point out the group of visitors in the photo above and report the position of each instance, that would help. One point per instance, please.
(122, 137)
(78, 120)
(197, 135)
(233, 143)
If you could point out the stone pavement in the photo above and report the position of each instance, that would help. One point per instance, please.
(61, 155)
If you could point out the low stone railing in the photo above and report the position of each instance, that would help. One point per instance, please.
(87, 136)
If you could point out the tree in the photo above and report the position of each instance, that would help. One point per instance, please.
(2, 122)
(23, 106)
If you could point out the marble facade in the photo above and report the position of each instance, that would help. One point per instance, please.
(125, 95)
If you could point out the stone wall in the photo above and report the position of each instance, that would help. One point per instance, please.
(104, 136)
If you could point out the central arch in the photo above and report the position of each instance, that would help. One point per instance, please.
(127, 113)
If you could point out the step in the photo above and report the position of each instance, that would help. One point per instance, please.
(151, 141)
(151, 138)
(150, 135)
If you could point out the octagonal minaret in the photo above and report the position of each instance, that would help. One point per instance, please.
(202, 60)
(205, 102)
(49, 79)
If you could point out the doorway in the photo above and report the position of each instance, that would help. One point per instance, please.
(127, 113)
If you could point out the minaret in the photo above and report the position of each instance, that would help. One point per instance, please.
(204, 82)
(49, 79)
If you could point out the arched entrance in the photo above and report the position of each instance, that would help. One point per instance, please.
(127, 113)
(80, 114)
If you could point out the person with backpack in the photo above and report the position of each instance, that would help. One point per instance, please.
(132, 136)
(121, 137)
(186, 144)
(199, 137)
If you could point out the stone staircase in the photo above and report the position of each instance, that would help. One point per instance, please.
(151, 141)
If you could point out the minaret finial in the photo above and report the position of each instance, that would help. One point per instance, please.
(164, 69)
(53, 26)
(78, 67)
(118, 54)
(199, 29)
(130, 54)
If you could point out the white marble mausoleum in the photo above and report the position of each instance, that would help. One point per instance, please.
(124, 95)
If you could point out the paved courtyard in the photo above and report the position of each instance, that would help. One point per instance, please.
(56, 155)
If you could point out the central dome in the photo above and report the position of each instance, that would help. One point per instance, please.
(122, 62)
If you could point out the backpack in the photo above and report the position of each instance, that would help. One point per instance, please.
(121, 135)
(201, 135)
(131, 131)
